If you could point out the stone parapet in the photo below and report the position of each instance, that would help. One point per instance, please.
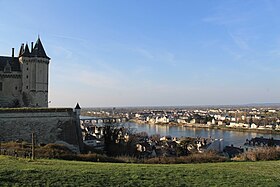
(50, 125)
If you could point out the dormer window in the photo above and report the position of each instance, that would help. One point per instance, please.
(7, 68)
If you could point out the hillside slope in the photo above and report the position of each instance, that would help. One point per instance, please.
(62, 173)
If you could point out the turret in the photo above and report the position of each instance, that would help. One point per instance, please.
(26, 52)
(35, 74)
(21, 50)
(78, 110)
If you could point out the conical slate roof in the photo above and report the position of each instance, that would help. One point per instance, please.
(38, 50)
(26, 52)
(77, 106)
(21, 50)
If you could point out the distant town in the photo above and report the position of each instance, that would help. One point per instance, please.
(242, 118)
(252, 119)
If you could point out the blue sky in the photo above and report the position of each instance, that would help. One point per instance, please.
(147, 53)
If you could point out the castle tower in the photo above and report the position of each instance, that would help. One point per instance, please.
(35, 70)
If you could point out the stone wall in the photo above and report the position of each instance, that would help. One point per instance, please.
(10, 95)
(50, 125)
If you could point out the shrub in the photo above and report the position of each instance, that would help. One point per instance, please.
(129, 159)
(266, 153)
(54, 151)
(96, 158)
(192, 158)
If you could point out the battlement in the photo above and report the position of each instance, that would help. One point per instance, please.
(34, 110)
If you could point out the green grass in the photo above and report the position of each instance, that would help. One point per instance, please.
(21, 172)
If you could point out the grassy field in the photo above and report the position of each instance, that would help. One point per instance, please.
(21, 172)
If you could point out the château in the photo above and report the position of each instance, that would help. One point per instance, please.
(24, 79)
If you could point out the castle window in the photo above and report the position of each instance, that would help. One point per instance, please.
(27, 76)
(16, 87)
(1, 86)
(26, 69)
(26, 87)
(7, 68)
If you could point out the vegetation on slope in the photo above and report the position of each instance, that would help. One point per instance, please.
(74, 173)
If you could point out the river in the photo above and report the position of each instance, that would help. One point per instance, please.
(230, 137)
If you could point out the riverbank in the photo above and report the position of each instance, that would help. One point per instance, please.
(263, 131)
(205, 126)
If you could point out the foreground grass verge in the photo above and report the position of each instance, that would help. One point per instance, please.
(21, 172)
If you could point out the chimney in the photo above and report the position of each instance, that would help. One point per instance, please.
(31, 47)
(13, 52)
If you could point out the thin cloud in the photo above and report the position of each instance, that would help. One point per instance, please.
(62, 51)
(145, 53)
(275, 53)
(240, 41)
(156, 56)
(224, 19)
(88, 76)
(98, 79)
(69, 37)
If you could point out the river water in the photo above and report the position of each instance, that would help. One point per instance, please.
(230, 137)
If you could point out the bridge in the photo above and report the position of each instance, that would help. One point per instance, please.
(97, 120)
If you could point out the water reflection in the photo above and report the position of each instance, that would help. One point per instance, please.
(230, 137)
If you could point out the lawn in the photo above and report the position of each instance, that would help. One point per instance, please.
(21, 172)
